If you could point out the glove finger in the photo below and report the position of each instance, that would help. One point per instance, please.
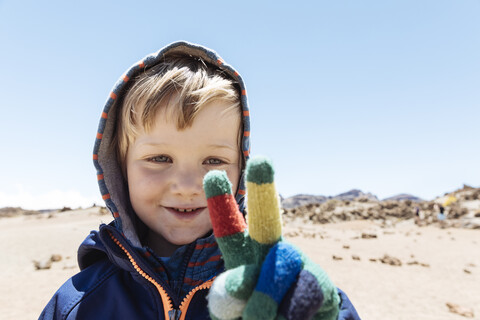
(228, 223)
(312, 295)
(303, 298)
(230, 292)
(264, 219)
(279, 271)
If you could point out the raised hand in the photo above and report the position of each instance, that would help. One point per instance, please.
(266, 277)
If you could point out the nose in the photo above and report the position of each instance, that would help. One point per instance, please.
(187, 183)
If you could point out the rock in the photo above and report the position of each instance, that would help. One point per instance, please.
(292, 234)
(334, 257)
(372, 260)
(467, 271)
(354, 257)
(426, 265)
(346, 246)
(455, 308)
(43, 264)
(391, 260)
(411, 263)
(368, 235)
(55, 257)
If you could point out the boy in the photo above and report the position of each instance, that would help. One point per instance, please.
(169, 120)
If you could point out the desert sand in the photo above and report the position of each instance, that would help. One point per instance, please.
(438, 266)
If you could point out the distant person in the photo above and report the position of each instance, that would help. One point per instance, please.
(171, 119)
(441, 214)
(418, 216)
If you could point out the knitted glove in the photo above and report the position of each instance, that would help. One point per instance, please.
(266, 277)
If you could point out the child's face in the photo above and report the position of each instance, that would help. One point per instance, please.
(165, 170)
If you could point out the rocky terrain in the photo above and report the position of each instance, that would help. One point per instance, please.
(391, 265)
(462, 208)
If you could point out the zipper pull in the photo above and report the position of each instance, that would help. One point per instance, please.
(174, 314)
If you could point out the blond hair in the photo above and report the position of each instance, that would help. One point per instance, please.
(181, 86)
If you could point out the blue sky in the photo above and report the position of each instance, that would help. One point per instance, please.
(377, 95)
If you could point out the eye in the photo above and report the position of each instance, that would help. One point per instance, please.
(160, 159)
(214, 161)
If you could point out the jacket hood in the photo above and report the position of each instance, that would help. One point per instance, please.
(112, 185)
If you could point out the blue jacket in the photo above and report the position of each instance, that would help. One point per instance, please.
(119, 277)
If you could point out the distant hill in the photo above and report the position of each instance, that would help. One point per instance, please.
(461, 208)
(304, 199)
(301, 200)
(355, 194)
(15, 211)
(403, 196)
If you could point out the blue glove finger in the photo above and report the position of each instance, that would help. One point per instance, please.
(279, 271)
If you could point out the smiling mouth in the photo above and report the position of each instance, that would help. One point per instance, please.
(185, 210)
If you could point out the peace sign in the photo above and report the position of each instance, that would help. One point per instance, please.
(266, 277)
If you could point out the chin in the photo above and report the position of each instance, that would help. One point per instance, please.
(180, 241)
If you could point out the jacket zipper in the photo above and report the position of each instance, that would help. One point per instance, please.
(169, 312)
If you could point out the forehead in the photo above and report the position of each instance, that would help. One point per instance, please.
(215, 122)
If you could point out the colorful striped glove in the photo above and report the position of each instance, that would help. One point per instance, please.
(266, 277)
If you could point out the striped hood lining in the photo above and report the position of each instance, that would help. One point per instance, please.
(111, 183)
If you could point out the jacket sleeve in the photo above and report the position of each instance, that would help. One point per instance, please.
(347, 310)
(64, 303)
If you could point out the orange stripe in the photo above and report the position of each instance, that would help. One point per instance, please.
(192, 282)
(113, 96)
(104, 115)
(236, 74)
(220, 61)
(244, 92)
(99, 135)
(125, 78)
(99, 176)
(246, 153)
(246, 113)
(246, 134)
(147, 254)
(205, 245)
(116, 215)
(242, 192)
(202, 263)
(141, 64)
(95, 156)
(106, 196)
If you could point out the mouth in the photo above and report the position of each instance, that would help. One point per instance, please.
(185, 212)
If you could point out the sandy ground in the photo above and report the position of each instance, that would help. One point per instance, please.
(450, 272)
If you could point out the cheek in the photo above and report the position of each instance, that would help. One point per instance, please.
(234, 177)
(143, 183)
